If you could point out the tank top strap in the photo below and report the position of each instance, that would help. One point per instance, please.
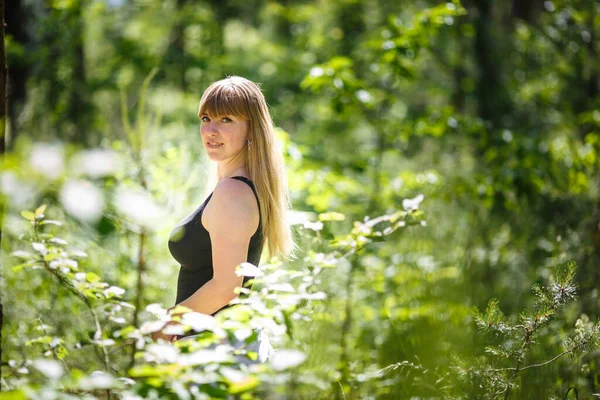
(249, 182)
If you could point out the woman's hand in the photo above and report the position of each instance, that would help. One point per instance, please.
(165, 336)
(160, 335)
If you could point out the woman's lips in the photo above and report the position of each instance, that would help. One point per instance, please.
(214, 145)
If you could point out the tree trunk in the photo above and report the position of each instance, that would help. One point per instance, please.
(67, 98)
(3, 102)
(527, 10)
(492, 99)
(78, 104)
(16, 21)
(175, 57)
(351, 21)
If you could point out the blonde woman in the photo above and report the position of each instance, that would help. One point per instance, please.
(247, 202)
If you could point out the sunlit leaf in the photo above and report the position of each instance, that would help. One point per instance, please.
(412, 204)
(199, 321)
(151, 326)
(51, 222)
(244, 385)
(40, 248)
(28, 215)
(331, 216)
(248, 269)
(13, 395)
(161, 353)
(284, 359)
(98, 380)
(52, 369)
(56, 240)
(114, 291)
(39, 212)
(92, 277)
(22, 254)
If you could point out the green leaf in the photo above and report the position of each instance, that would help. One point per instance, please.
(39, 212)
(572, 388)
(61, 352)
(214, 391)
(124, 332)
(92, 277)
(63, 4)
(28, 215)
(331, 216)
(41, 339)
(13, 395)
(248, 383)
(142, 371)
(51, 221)
(19, 267)
(155, 370)
(179, 309)
(22, 254)
(288, 323)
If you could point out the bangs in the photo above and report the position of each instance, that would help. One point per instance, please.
(221, 100)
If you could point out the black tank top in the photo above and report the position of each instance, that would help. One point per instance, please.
(189, 244)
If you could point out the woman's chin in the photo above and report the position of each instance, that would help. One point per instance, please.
(214, 155)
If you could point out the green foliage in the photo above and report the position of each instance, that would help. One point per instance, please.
(215, 362)
(516, 340)
(481, 116)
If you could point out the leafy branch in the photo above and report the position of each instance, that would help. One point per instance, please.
(61, 264)
(518, 339)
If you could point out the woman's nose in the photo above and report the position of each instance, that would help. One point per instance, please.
(209, 128)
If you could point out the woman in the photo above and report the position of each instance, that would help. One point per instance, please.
(246, 208)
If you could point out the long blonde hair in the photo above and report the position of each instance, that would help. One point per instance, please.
(243, 98)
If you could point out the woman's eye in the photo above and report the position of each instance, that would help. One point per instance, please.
(204, 119)
(227, 119)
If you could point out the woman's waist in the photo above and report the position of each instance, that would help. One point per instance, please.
(195, 268)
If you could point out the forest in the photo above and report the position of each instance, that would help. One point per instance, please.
(443, 162)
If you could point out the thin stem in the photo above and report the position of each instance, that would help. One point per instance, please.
(65, 282)
(581, 344)
(52, 348)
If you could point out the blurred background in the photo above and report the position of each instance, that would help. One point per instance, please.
(490, 110)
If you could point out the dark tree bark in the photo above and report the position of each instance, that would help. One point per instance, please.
(350, 17)
(16, 21)
(491, 98)
(283, 25)
(68, 98)
(459, 72)
(3, 101)
(527, 10)
(78, 105)
(175, 58)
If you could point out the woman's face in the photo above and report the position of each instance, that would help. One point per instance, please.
(223, 136)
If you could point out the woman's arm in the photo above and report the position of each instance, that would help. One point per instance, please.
(231, 217)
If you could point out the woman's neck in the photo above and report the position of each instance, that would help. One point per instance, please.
(225, 171)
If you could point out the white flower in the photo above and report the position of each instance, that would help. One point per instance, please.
(96, 162)
(47, 159)
(83, 200)
(160, 353)
(412, 204)
(52, 369)
(283, 359)
(117, 291)
(247, 269)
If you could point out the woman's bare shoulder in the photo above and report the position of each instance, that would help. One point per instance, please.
(232, 205)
